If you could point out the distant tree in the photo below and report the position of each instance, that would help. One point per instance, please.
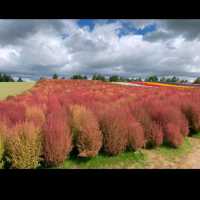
(42, 78)
(114, 78)
(98, 77)
(153, 78)
(163, 79)
(137, 79)
(78, 76)
(197, 81)
(123, 79)
(183, 81)
(20, 80)
(63, 78)
(55, 76)
(6, 78)
(174, 79)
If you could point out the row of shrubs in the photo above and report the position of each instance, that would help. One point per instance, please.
(56, 118)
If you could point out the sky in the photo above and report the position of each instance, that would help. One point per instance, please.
(130, 48)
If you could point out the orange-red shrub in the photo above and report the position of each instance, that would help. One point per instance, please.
(113, 127)
(35, 114)
(136, 138)
(173, 135)
(12, 112)
(192, 113)
(86, 132)
(57, 138)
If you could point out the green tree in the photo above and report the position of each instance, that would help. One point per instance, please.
(163, 79)
(153, 78)
(20, 80)
(174, 79)
(6, 78)
(79, 76)
(197, 81)
(55, 76)
(98, 77)
(114, 78)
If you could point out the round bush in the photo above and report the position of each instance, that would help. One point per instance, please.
(86, 132)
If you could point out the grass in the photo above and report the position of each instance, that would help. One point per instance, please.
(171, 154)
(14, 88)
(196, 135)
(124, 160)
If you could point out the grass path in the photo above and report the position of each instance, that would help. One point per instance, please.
(192, 160)
(186, 157)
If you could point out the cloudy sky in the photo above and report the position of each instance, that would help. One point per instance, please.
(35, 48)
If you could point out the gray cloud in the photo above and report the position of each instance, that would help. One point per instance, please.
(168, 29)
(34, 48)
(12, 31)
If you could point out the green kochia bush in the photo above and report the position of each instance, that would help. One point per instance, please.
(23, 146)
(3, 131)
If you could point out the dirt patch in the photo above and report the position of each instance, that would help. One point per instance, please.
(190, 160)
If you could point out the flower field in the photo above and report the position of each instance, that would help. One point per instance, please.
(57, 118)
(157, 84)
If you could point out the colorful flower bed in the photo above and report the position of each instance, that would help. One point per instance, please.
(57, 118)
(155, 84)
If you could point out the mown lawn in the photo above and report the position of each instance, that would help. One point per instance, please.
(14, 88)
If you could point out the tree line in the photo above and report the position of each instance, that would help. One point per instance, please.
(116, 78)
(8, 78)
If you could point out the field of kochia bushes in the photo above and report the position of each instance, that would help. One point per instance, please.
(56, 118)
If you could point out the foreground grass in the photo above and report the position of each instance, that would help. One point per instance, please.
(14, 88)
(145, 158)
(124, 160)
(196, 135)
(172, 154)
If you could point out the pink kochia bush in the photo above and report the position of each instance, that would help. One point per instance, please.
(136, 138)
(169, 117)
(152, 132)
(192, 113)
(57, 138)
(12, 112)
(113, 127)
(86, 133)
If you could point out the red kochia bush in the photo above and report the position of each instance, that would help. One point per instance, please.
(35, 115)
(136, 137)
(113, 127)
(57, 138)
(13, 112)
(173, 135)
(86, 132)
(170, 116)
(192, 113)
(152, 131)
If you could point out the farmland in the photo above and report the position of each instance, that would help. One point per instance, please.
(13, 88)
(93, 124)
